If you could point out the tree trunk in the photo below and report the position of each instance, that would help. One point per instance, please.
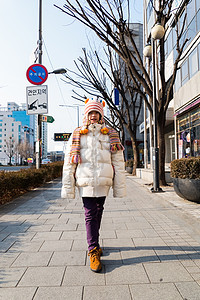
(161, 144)
(135, 156)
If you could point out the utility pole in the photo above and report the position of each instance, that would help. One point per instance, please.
(39, 125)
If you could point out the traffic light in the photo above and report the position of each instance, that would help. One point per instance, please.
(60, 137)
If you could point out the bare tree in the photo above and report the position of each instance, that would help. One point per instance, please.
(89, 78)
(25, 150)
(10, 148)
(110, 21)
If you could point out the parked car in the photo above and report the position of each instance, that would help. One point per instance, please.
(46, 161)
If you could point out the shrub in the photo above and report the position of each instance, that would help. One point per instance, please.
(14, 184)
(186, 168)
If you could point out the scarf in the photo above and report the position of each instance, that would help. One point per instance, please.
(115, 144)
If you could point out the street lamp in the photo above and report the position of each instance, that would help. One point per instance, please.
(157, 33)
(58, 71)
(74, 106)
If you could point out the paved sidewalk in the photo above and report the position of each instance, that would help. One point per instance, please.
(151, 245)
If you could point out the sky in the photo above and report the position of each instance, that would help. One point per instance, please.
(63, 38)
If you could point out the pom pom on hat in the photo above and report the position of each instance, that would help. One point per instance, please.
(94, 104)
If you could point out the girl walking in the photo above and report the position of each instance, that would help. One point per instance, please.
(94, 163)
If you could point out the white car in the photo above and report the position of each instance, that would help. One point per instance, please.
(46, 161)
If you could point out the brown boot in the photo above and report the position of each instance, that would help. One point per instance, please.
(100, 252)
(95, 264)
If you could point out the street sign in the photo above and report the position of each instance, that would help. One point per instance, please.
(48, 119)
(116, 96)
(59, 137)
(37, 74)
(37, 99)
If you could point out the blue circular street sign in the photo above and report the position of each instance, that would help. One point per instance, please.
(37, 74)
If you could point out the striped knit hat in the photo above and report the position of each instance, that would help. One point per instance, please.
(95, 104)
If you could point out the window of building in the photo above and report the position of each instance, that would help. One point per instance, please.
(197, 5)
(192, 30)
(0, 141)
(193, 62)
(5, 129)
(149, 10)
(178, 80)
(12, 129)
(170, 42)
(198, 21)
(190, 10)
(0, 124)
(0, 135)
(181, 21)
(198, 48)
(12, 124)
(184, 72)
(0, 130)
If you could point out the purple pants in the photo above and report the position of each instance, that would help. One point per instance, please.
(93, 214)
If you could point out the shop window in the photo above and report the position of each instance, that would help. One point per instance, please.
(189, 134)
(195, 117)
(184, 72)
(196, 142)
(193, 62)
(183, 123)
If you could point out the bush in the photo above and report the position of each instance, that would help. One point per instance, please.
(14, 184)
(186, 168)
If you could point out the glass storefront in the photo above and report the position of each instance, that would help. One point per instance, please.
(188, 134)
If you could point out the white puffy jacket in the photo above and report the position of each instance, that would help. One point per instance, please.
(99, 168)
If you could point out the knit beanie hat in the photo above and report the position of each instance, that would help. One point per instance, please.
(94, 104)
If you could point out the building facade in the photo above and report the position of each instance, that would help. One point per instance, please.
(182, 137)
(16, 128)
(187, 88)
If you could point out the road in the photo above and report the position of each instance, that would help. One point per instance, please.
(13, 168)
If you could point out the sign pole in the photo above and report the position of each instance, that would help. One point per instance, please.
(39, 127)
